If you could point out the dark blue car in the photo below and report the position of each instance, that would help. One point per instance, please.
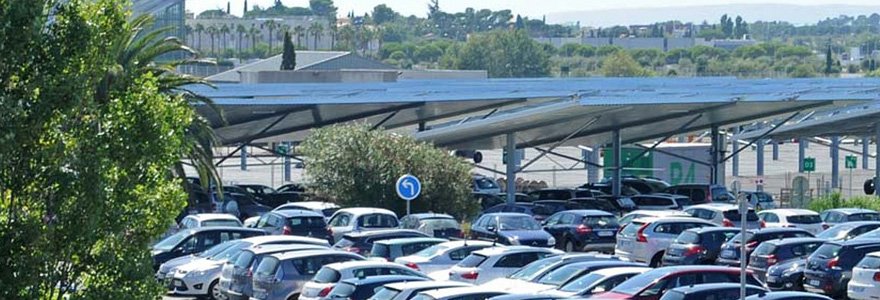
(848, 230)
(583, 230)
(829, 268)
(773, 252)
(730, 251)
(787, 276)
(363, 288)
(511, 229)
(697, 246)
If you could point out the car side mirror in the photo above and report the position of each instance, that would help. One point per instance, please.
(491, 228)
(598, 289)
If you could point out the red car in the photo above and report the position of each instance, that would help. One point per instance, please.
(653, 284)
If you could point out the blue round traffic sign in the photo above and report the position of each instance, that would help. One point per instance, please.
(408, 187)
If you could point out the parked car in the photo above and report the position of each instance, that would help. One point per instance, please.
(596, 282)
(209, 220)
(485, 184)
(538, 212)
(458, 293)
(490, 263)
(517, 197)
(241, 205)
(787, 296)
(786, 276)
(511, 229)
(661, 201)
(408, 290)
(604, 204)
(701, 193)
(865, 282)
(562, 275)
(583, 230)
(291, 188)
(843, 215)
(534, 271)
(848, 230)
(192, 241)
(331, 274)
(363, 288)
(555, 206)
(441, 256)
(362, 242)
(282, 276)
(726, 215)
(436, 225)
(829, 268)
(759, 200)
(730, 251)
(487, 200)
(561, 194)
(644, 185)
(269, 196)
(790, 217)
(324, 208)
(772, 252)
(718, 291)
(295, 222)
(606, 189)
(627, 218)
(646, 239)
(236, 275)
(653, 284)
(348, 220)
(391, 249)
(697, 246)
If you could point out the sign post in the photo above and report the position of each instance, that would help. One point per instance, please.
(851, 161)
(809, 167)
(743, 210)
(408, 188)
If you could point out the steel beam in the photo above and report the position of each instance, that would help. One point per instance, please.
(676, 155)
(802, 153)
(866, 142)
(557, 144)
(735, 144)
(660, 141)
(511, 168)
(835, 162)
(615, 144)
(243, 155)
(586, 162)
(762, 136)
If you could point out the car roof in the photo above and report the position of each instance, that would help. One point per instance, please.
(876, 253)
(854, 224)
(796, 240)
(589, 212)
(671, 219)
(365, 210)
(658, 213)
(858, 242)
(790, 211)
(289, 213)
(310, 205)
(400, 286)
(212, 216)
(291, 238)
(382, 278)
(620, 270)
(699, 230)
(710, 286)
(776, 230)
(850, 211)
(507, 214)
(716, 206)
(222, 228)
(360, 264)
(271, 248)
(458, 291)
(491, 251)
(429, 216)
(786, 295)
(361, 234)
(599, 263)
(402, 241)
(309, 253)
(696, 268)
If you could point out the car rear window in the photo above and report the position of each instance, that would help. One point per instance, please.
(342, 290)
(765, 249)
(307, 222)
(828, 250)
(244, 259)
(869, 262)
(601, 221)
(652, 201)
(345, 242)
(267, 267)
(688, 237)
(377, 221)
(328, 212)
(472, 261)
(631, 229)
(804, 219)
(734, 216)
(380, 250)
(216, 223)
(439, 223)
(327, 275)
(386, 293)
(864, 217)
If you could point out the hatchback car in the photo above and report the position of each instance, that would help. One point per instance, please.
(697, 246)
(583, 230)
(789, 217)
(646, 239)
(843, 215)
(829, 268)
(848, 230)
(701, 193)
(730, 251)
(539, 212)
(236, 275)
(324, 208)
(490, 263)
(209, 220)
(441, 256)
(357, 219)
(653, 284)
(787, 296)
(717, 291)
(196, 240)
(408, 290)
(391, 249)
(865, 282)
(562, 275)
(759, 200)
(366, 287)
(511, 229)
(362, 242)
(787, 275)
(329, 275)
(625, 219)
(282, 276)
(537, 269)
(772, 252)
(661, 201)
(596, 282)
(459, 293)
(726, 215)
(436, 225)
(295, 222)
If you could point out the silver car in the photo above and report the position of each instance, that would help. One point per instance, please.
(282, 276)
(356, 219)
(646, 239)
(236, 276)
(723, 214)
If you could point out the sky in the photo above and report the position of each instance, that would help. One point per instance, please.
(530, 8)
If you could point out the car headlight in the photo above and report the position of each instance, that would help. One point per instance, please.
(551, 241)
(196, 273)
(514, 240)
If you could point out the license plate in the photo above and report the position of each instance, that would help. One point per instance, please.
(857, 289)
(178, 283)
(771, 278)
(815, 282)
(606, 233)
(727, 253)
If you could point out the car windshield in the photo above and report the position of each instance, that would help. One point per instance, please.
(432, 251)
(518, 223)
(267, 267)
(326, 275)
(377, 221)
(738, 237)
(827, 250)
(484, 183)
(215, 223)
(601, 221)
(170, 242)
(230, 251)
(438, 223)
(687, 237)
(217, 249)
(864, 217)
(307, 222)
(471, 261)
(533, 269)
(734, 216)
(837, 232)
(765, 249)
(639, 282)
(869, 262)
(804, 219)
(581, 283)
(561, 275)
(385, 293)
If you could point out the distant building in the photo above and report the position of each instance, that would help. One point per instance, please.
(166, 13)
(305, 61)
(731, 45)
(662, 44)
(302, 38)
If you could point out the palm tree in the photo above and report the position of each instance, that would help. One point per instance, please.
(299, 31)
(199, 29)
(189, 32)
(254, 33)
(241, 31)
(271, 25)
(224, 30)
(334, 34)
(212, 32)
(346, 37)
(316, 30)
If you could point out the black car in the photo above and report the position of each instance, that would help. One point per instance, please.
(192, 241)
(583, 230)
(295, 222)
(730, 251)
(291, 188)
(701, 193)
(606, 188)
(561, 194)
(242, 206)
(487, 200)
(661, 201)
(555, 206)
(363, 288)
(697, 246)
(718, 291)
(269, 196)
(605, 204)
(645, 185)
(511, 229)
(539, 212)
(773, 252)
(829, 268)
(787, 275)
(361, 242)
(849, 230)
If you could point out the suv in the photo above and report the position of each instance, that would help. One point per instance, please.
(701, 193)
(790, 217)
(661, 201)
(209, 220)
(829, 269)
(627, 218)
(348, 220)
(362, 242)
(294, 222)
(730, 251)
(697, 246)
(646, 239)
(511, 229)
(324, 208)
(282, 275)
(583, 230)
(843, 215)
(496, 262)
(773, 252)
(394, 248)
(436, 225)
(726, 215)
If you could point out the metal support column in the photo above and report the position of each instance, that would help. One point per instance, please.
(866, 141)
(243, 154)
(735, 143)
(592, 169)
(835, 162)
(775, 150)
(877, 160)
(511, 168)
(714, 152)
(759, 162)
(618, 162)
(287, 170)
(802, 153)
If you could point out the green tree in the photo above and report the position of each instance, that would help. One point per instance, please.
(621, 64)
(316, 30)
(357, 166)
(324, 8)
(829, 62)
(270, 25)
(288, 58)
(750, 52)
(383, 14)
(504, 54)
(608, 50)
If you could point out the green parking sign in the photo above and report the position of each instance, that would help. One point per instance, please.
(851, 161)
(809, 164)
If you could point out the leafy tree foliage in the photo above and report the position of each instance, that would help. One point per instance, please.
(504, 54)
(288, 56)
(621, 64)
(383, 14)
(359, 167)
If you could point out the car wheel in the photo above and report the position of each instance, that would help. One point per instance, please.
(214, 291)
(294, 297)
(656, 260)
(569, 245)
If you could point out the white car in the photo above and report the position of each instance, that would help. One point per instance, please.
(407, 290)
(360, 219)
(327, 277)
(646, 239)
(596, 282)
(496, 262)
(524, 280)
(208, 220)
(474, 292)
(724, 214)
(864, 283)
(649, 213)
(441, 256)
(324, 208)
(799, 218)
